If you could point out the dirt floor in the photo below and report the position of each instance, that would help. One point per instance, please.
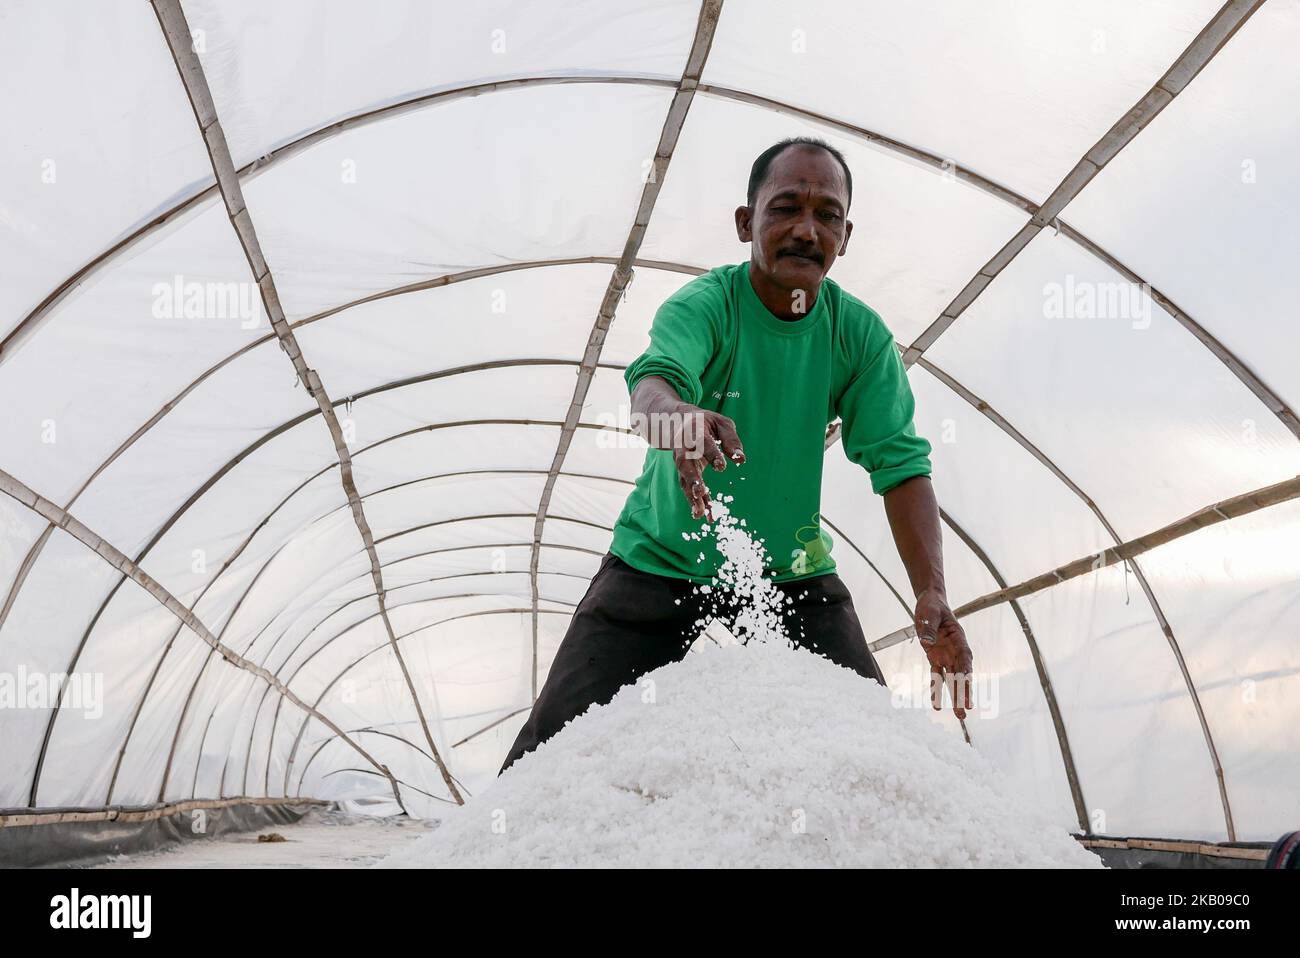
(321, 839)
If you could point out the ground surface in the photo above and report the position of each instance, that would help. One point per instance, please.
(321, 839)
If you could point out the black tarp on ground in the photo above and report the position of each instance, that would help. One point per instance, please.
(64, 843)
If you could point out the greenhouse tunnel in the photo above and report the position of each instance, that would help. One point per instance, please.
(313, 325)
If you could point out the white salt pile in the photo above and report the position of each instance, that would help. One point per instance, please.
(757, 755)
(753, 755)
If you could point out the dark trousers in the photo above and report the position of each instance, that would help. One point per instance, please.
(630, 622)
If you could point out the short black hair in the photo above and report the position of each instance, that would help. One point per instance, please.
(758, 172)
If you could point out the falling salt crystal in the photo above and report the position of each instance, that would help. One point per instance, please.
(757, 603)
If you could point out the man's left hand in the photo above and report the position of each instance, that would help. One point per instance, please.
(944, 642)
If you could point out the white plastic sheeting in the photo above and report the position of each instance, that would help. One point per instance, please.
(442, 193)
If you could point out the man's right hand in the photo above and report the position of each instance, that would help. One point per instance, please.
(700, 436)
(696, 436)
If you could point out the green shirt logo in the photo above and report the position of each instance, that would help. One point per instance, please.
(814, 551)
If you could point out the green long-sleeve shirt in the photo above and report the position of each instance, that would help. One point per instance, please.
(782, 382)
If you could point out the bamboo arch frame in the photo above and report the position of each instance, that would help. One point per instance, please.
(423, 526)
(1044, 681)
(180, 721)
(437, 598)
(1168, 631)
(105, 550)
(167, 647)
(524, 610)
(325, 691)
(710, 10)
(342, 634)
(176, 30)
(348, 628)
(195, 497)
(370, 730)
(1193, 59)
(227, 564)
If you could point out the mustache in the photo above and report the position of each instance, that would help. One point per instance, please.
(813, 254)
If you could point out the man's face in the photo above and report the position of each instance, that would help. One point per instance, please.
(798, 224)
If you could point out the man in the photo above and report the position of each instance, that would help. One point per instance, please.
(772, 351)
